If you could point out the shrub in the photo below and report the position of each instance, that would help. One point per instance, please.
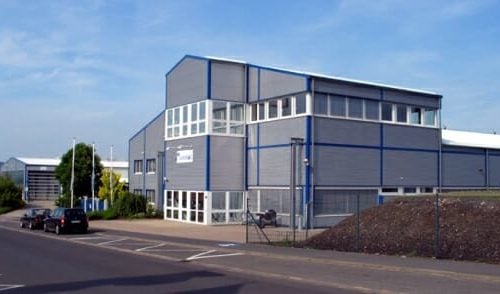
(65, 201)
(129, 204)
(10, 194)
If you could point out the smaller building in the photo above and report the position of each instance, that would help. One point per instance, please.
(37, 177)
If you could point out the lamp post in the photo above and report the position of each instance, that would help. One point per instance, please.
(294, 142)
(73, 173)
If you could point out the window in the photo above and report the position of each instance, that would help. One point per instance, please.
(430, 117)
(273, 109)
(337, 106)
(415, 115)
(262, 111)
(389, 190)
(355, 108)
(372, 110)
(253, 110)
(150, 165)
(401, 116)
(137, 166)
(186, 120)
(237, 119)
(408, 190)
(150, 195)
(300, 103)
(286, 106)
(138, 191)
(386, 111)
(320, 104)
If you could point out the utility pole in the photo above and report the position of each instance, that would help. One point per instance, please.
(73, 173)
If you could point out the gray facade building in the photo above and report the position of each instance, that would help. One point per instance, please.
(224, 138)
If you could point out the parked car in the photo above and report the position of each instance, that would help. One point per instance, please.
(33, 218)
(66, 220)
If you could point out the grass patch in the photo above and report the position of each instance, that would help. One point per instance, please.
(5, 209)
(485, 194)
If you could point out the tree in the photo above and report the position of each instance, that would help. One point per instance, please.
(83, 171)
(104, 189)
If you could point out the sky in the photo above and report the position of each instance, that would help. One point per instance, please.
(95, 70)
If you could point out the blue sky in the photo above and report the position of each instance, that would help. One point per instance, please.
(95, 70)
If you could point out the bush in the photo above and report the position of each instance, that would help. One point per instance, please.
(102, 215)
(10, 194)
(65, 201)
(129, 204)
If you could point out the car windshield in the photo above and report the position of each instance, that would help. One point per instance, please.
(41, 211)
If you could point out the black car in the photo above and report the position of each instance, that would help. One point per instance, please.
(66, 220)
(33, 218)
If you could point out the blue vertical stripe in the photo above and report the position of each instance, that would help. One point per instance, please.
(246, 158)
(307, 197)
(381, 144)
(258, 84)
(207, 163)
(258, 154)
(209, 79)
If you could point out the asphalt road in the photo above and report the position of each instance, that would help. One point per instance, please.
(36, 264)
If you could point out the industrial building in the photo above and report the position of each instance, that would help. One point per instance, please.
(37, 175)
(229, 129)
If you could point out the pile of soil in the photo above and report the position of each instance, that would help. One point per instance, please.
(469, 230)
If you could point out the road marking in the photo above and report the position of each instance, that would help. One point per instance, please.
(86, 238)
(227, 245)
(151, 247)
(112, 241)
(204, 255)
(4, 287)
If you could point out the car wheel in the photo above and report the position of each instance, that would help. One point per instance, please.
(21, 225)
(30, 226)
(58, 230)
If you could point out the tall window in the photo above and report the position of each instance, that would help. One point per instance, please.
(372, 111)
(355, 108)
(150, 165)
(300, 103)
(386, 112)
(138, 166)
(286, 106)
(219, 117)
(273, 108)
(237, 119)
(337, 106)
(430, 117)
(415, 115)
(320, 104)
(401, 115)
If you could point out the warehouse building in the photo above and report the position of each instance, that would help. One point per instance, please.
(229, 130)
(37, 175)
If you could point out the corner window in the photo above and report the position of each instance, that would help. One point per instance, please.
(300, 103)
(415, 115)
(320, 104)
(430, 117)
(186, 120)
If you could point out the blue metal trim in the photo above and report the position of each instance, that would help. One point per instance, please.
(463, 152)
(247, 85)
(207, 163)
(147, 125)
(307, 192)
(269, 146)
(209, 79)
(166, 93)
(308, 84)
(164, 177)
(258, 155)
(381, 153)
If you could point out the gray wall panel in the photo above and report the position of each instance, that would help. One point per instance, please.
(136, 147)
(348, 89)
(252, 135)
(273, 83)
(187, 176)
(155, 133)
(460, 170)
(275, 166)
(187, 83)
(411, 98)
(227, 163)
(280, 131)
(336, 166)
(411, 137)
(253, 84)
(404, 168)
(337, 131)
(252, 167)
(494, 171)
(228, 81)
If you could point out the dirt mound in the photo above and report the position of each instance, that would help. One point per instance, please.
(468, 230)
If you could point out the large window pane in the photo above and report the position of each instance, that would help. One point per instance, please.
(237, 112)
(355, 107)
(218, 200)
(170, 117)
(401, 113)
(202, 110)
(371, 110)
(430, 117)
(254, 112)
(386, 111)
(219, 127)
(262, 111)
(273, 109)
(416, 115)
(219, 110)
(286, 106)
(337, 105)
(185, 114)
(194, 112)
(300, 103)
(177, 116)
(320, 104)
(235, 200)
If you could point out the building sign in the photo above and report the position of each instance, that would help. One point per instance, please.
(184, 156)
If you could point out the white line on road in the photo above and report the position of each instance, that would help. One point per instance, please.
(112, 241)
(9, 287)
(204, 255)
(87, 238)
(151, 247)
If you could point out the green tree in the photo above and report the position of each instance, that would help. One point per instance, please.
(10, 194)
(83, 171)
(104, 189)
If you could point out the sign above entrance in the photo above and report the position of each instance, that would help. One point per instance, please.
(184, 156)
